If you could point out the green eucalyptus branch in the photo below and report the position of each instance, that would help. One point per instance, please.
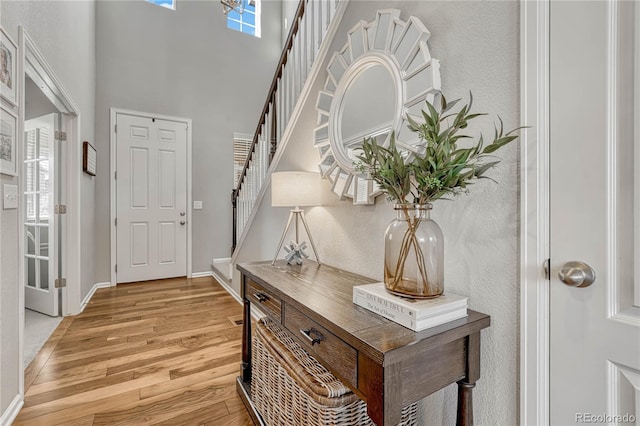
(443, 168)
(386, 167)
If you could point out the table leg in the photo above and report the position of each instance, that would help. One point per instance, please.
(245, 365)
(465, 386)
(465, 404)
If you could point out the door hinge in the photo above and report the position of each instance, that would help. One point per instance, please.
(546, 265)
(116, 268)
(61, 136)
(60, 282)
(116, 221)
(115, 175)
(60, 209)
(115, 128)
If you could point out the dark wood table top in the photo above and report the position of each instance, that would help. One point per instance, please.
(325, 293)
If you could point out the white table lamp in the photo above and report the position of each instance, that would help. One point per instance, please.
(295, 189)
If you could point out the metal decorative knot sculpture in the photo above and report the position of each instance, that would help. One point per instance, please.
(295, 253)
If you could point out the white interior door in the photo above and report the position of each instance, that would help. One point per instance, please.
(41, 230)
(595, 214)
(151, 186)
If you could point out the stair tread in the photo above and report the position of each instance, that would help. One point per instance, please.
(223, 270)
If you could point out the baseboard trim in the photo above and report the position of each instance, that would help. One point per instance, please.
(255, 312)
(89, 295)
(220, 269)
(220, 281)
(12, 411)
(201, 274)
(226, 286)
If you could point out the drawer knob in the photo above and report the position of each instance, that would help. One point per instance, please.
(312, 335)
(261, 297)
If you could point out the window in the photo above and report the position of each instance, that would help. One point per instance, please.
(169, 4)
(241, 149)
(247, 22)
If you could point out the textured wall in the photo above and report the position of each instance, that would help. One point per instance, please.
(477, 43)
(289, 8)
(64, 32)
(36, 104)
(9, 293)
(188, 64)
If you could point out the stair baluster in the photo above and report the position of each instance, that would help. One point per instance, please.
(300, 50)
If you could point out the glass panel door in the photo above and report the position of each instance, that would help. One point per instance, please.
(39, 226)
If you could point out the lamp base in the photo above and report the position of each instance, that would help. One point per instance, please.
(299, 217)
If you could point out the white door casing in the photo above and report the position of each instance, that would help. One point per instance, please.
(534, 207)
(41, 231)
(152, 201)
(31, 62)
(594, 331)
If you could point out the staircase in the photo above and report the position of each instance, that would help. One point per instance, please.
(222, 270)
(311, 32)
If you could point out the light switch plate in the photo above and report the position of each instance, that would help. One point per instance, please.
(10, 196)
(197, 205)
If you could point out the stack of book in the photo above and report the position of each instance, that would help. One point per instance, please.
(415, 314)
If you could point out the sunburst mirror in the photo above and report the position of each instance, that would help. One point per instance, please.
(382, 73)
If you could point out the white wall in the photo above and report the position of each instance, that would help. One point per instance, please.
(289, 8)
(184, 63)
(478, 45)
(9, 314)
(36, 103)
(64, 31)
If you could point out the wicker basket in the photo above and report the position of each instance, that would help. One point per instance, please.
(289, 387)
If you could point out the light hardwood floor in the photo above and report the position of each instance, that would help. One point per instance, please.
(159, 352)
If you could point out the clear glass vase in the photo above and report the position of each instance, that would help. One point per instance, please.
(414, 253)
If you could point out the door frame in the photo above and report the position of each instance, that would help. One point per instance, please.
(32, 60)
(534, 212)
(112, 174)
(535, 323)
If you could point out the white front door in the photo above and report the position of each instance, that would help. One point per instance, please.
(41, 229)
(151, 187)
(595, 213)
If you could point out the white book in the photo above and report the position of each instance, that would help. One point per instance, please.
(410, 323)
(392, 312)
(412, 308)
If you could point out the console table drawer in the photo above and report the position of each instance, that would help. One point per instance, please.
(322, 344)
(262, 298)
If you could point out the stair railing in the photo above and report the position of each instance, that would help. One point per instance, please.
(308, 30)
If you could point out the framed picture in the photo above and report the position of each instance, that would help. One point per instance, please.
(89, 159)
(8, 69)
(8, 144)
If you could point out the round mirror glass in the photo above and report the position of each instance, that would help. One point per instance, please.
(367, 109)
(382, 74)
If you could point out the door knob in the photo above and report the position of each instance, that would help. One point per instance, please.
(182, 213)
(182, 222)
(577, 274)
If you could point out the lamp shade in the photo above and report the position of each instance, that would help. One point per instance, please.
(295, 189)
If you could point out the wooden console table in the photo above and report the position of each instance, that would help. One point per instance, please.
(385, 364)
